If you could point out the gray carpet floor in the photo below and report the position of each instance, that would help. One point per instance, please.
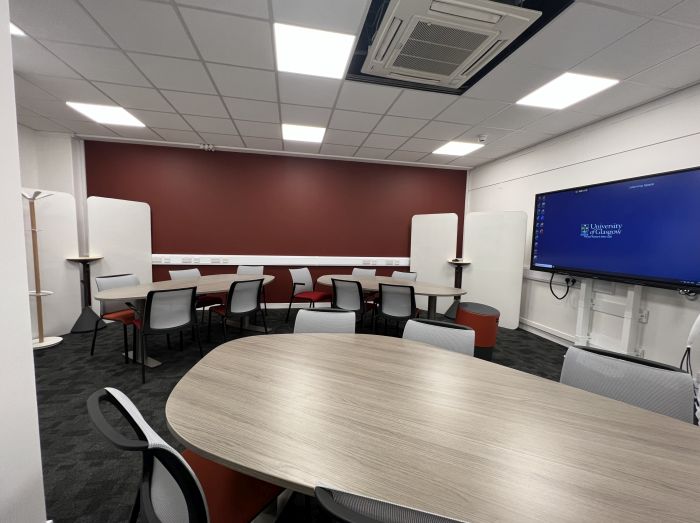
(87, 480)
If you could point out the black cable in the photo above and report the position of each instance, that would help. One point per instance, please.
(569, 284)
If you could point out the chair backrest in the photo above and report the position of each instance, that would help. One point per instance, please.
(324, 320)
(350, 508)
(244, 296)
(357, 271)
(457, 338)
(409, 276)
(301, 280)
(169, 309)
(251, 269)
(347, 295)
(169, 491)
(398, 301)
(115, 281)
(185, 274)
(649, 385)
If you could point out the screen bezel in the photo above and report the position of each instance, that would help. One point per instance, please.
(600, 275)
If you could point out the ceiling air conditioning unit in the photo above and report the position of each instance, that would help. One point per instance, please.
(442, 42)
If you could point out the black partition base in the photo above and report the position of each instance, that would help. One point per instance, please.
(86, 321)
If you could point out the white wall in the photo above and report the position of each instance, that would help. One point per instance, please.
(21, 484)
(660, 136)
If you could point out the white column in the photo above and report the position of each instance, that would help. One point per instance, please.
(21, 483)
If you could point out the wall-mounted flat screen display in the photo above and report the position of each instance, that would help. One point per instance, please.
(640, 230)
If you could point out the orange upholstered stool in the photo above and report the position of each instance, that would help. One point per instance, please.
(232, 497)
(484, 320)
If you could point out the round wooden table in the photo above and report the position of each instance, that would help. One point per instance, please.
(434, 430)
(371, 283)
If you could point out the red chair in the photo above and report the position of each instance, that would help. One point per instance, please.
(484, 321)
(303, 289)
(115, 310)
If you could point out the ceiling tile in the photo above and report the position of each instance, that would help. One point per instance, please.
(69, 89)
(511, 80)
(405, 156)
(135, 97)
(519, 140)
(645, 7)
(87, 128)
(174, 73)
(469, 111)
(263, 143)
(303, 115)
(177, 136)
(676, 72)
(516, 117)
(562, 122)
(62, 20)
(421, 145)
(579, 32)
(371, 152)
(255, 8)
(253, 110)
(488, 134)
(622, 96)
(368, 98)
(137, 133)
(199, 104)
(240, 82)
(206, 124)
(384, 141)
(23, 111)
(399, 126)
(223, 140)
(39, 123)
(335, 136)
(342, 16)
(437, 159)
(95, 63)
(421, 104)
(31, 58)
(441, 131)
(230, 39)
(28, 91)
(687, 12)
(161, 120)
(259, 130)
(352, 121)
(148, 27)
(469, 161)
(307, 90)
(338, 150)
(54, 109)
(302, 147)
(645, 47)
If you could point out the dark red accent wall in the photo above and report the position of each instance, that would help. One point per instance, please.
(237, 203)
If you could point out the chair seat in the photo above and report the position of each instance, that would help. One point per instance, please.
(126, 316)
(313, 296)
(209, 299)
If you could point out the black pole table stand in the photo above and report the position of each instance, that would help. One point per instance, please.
(86, 320)
(458, 264)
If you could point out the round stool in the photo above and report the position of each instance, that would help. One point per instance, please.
(484, 320)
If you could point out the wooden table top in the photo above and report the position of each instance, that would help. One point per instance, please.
(371, 283)
(211, 284)
(434, 430)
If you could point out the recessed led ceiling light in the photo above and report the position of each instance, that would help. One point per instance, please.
(303, 133)
(106, 114)
(312, 51)
(566, 90)
(16, 31)
(458, 148)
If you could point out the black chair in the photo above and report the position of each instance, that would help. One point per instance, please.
(349, 508)
(168, 488)
(112, 310)
(396, 303)
(243, 301)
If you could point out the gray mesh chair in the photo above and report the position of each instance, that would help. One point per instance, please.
(408, 276)
(303, 289)
(370, 273)
(396, 303)
(646, 384)
(204, 300)
(350, 508)
(169, 491)
(243, 301)
(456, 338)
(167, 312)
(324, 320)
(114, 310)
(254, 270)
(348, 296)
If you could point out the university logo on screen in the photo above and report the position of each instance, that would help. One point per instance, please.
(597, 231)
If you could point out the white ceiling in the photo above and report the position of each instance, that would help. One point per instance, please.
(203, 71)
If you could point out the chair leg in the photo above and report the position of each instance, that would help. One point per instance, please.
(209, 327)
(133, 518)
(126, 344)
(143, 359)
(289, 309)
(199, 343)
(264, 321)
(94, 338)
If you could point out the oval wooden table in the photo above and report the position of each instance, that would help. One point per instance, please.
(371, 283)
(438, 431)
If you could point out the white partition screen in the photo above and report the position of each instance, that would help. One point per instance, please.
(433, 242)
(120, 231)
(494, 243)
(57, 239)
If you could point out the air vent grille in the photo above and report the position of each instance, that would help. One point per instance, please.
(444, 35)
